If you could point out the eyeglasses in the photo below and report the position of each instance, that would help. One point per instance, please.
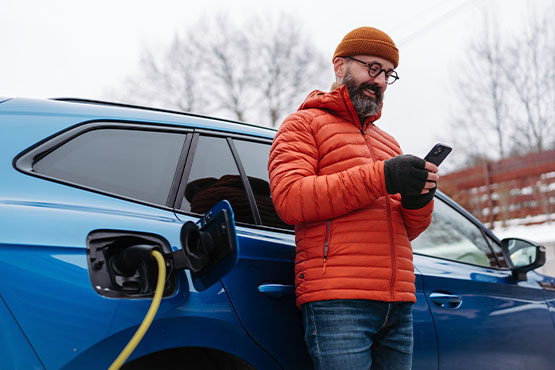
(374, 70)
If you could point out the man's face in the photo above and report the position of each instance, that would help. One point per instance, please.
(366, 92)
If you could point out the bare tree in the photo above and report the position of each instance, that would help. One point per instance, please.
(259, 70)
(506, 101)
(168, 79)
(289, 66)
(482, 101)
(227, 55)
(529, 69)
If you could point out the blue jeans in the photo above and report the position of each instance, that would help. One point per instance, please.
(359, 334)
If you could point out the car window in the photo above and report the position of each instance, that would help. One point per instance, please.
(214, 176)
(452, 236)
(498, 251)
(132, 163)
(254, 158)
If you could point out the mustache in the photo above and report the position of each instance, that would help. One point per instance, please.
(372, 87)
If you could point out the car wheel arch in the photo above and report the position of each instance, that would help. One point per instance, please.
(199, 358)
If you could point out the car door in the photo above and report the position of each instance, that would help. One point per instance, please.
(261, 286)
(484, 318)
(425, 353)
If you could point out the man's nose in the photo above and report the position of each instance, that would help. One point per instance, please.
(380, 79)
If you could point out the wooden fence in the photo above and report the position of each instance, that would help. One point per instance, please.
(512, 188)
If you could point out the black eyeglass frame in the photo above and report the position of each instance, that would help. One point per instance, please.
(392, 73)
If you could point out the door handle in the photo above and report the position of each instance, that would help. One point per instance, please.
(446, 300)
(277, 291)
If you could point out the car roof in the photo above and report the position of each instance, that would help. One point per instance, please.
(86, 110)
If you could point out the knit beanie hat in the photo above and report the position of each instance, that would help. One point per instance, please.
(368, 41)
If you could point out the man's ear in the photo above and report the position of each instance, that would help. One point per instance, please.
(339, 67)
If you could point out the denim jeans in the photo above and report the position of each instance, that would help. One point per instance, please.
(359, 334)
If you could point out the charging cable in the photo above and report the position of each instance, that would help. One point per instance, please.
(124, 355)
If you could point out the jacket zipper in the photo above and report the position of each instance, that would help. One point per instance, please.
(326, 244)
(388, 207)
(392, 247)
(390, 227)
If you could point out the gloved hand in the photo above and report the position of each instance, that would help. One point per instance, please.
(405, 174)
(417, 201)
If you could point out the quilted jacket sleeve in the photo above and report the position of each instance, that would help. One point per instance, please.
(300, 194)
(417, 220)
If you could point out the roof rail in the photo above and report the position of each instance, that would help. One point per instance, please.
(125, 105)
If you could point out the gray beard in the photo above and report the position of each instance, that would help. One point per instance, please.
(365, 106)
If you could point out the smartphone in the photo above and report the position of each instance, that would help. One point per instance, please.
(438, 153)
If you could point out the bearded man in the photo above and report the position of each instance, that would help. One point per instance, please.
(356, 202)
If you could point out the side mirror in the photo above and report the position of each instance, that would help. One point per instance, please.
(209, 246)
(523, 256)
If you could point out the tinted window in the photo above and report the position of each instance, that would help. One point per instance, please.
(214, 176)
(453, 236)
(132, 163)
(254, 158)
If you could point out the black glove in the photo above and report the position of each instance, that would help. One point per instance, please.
(417, 201)
(405, 174)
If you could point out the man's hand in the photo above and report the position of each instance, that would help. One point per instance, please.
(417, 201)
(410, 175)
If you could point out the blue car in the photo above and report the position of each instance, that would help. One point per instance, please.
(89, 189)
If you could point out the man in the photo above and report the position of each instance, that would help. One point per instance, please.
(356, 202)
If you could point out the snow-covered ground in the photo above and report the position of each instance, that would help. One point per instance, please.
(543, 234)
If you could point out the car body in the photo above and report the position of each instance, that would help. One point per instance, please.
(75, 173)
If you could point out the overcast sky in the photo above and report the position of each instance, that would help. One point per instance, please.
(84, 49)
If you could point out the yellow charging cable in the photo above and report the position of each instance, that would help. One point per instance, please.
(124, 355)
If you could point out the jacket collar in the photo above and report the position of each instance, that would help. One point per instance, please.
(338, 103)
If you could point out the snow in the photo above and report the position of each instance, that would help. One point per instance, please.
(543, 233)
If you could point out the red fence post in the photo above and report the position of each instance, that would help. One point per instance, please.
(488, 191)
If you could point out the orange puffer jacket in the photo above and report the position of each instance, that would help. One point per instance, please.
(327, 179)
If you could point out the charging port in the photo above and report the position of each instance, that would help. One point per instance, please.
(121, 264)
